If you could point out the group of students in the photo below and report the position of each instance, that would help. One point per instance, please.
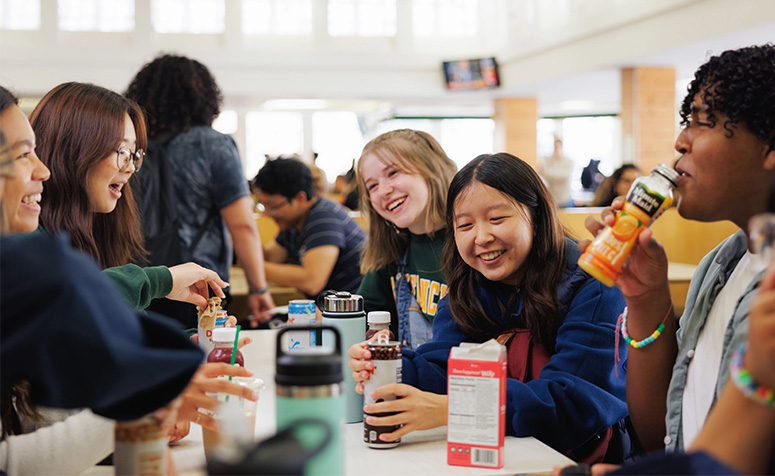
(511, 274)
(480, 254)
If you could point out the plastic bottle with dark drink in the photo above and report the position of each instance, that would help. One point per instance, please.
(378, 321)
(223, 340)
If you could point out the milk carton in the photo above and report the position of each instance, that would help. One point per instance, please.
(476, 412)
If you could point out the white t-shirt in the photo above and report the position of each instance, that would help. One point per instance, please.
(703, 371)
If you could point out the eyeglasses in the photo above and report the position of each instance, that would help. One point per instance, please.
(271, 209)
(124, 156)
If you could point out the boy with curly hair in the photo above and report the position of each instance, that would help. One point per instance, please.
(727, 169)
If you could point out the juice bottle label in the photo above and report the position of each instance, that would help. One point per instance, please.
(607, 254)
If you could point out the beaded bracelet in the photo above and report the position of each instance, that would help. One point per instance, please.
(258, 291)
(746, 384)
(648, 340)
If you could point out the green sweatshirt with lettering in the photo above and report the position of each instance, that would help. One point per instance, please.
(423, 271)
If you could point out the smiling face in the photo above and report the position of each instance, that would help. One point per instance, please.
(399, 197)
(104, 181)
(493, 233)
(722, 178)
(23, 191)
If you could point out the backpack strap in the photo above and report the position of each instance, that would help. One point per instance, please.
(202, 230)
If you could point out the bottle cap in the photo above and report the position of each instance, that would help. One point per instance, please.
(224, 334)
(668, 172)
(378, 317)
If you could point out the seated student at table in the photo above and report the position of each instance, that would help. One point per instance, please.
(403, 177)
(40, 292)
(739, 434)
(513, 276)
(319, 245)
(92, 140)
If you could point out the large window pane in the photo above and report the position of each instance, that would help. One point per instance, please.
(461, 139)
(96, 15)
(445, 18)
(271, 133)
(277, 17)
(188, 16)
(362, 17)
(337, 139)
(464, 139)
(20, 14)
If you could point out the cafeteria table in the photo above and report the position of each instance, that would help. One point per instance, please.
(420, 452)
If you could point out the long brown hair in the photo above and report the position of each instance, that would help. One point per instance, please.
(412, 152)
(541, 272)
(77, 125)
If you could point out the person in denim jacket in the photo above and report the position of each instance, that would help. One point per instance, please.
(727, 167)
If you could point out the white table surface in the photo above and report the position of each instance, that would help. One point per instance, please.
(420, 452)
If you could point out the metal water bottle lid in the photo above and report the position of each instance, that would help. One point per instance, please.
(341, 301)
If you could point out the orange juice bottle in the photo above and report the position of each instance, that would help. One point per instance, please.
(647, 199)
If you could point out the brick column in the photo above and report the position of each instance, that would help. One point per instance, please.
(648, 116)
(515, 128)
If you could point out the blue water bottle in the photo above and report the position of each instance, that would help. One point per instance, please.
(309, 386)
(345, 312)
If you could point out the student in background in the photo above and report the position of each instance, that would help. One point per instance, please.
(513, 277)
(557, 170)
(403, 177)
(617, 185)
(319, 245)
(180, 99)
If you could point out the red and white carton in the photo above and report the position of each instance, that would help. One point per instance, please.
(476, 411)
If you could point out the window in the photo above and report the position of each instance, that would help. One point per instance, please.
(271, 133)
(226, 122)
(362, 17)
(95, 15)
(583, 138)
(461, 139)
(188, 16)
(445, 18)
(337, 139)
(20, 14)
(464, 139)
(277, 17)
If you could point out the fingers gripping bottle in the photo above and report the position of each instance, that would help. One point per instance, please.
(647, 199)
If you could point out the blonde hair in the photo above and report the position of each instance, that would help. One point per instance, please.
(412, 152)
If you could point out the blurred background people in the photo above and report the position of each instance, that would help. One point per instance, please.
(557, 172)
(618, 184)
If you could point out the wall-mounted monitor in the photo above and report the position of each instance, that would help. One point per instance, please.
(479, 73)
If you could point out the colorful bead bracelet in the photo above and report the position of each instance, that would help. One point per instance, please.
(648, 340)
(745, 382)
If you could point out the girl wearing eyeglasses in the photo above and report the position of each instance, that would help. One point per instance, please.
(92, 141)
(80, 131)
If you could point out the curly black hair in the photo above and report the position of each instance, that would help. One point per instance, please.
(286, 177)
(176, 93)
(739, 84)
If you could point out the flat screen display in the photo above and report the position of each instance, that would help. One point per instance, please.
(479, 73)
